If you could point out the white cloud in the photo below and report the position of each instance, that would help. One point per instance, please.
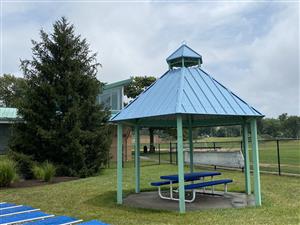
(250, 47)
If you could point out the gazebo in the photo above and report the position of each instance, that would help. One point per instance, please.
(187, 97)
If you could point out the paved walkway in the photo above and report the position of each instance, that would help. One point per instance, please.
(151, 200)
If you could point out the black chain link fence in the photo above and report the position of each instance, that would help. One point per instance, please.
(280, 156)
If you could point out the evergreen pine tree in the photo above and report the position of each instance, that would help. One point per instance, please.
(62, 121)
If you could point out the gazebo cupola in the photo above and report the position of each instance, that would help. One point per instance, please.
(184, 56)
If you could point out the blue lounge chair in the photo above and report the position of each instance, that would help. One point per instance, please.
(57, 220)
(93, 222)
(18, 214)
(16, 210)
(4, 205)
(23, 217)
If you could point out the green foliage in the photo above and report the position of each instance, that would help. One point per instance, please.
(24, 163)
(291, 126)
(271, 127)
(45, 171)
(48, 171)
(64, 124)
(8, 172)
(138, 85)
(11, 90)
(38, 172)
(284, 126)
(172, 133)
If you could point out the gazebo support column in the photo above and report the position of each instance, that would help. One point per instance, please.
(255, 153)
(119, 164)
(137, 158)
(246, 159)
(191, 147)
(180, 165)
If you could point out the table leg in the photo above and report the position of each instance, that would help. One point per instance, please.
(171, 189)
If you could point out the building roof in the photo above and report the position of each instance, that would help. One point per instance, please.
(186, 90)
(117, 84)
(8, 114)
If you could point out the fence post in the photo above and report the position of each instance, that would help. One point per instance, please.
(158, 154)
(170, 152)
(278, 157)
(214, 143)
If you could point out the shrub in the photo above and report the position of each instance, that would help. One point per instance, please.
(24, 162)
(8, 172)
(38, 172)
(44, 172)
(49, 171)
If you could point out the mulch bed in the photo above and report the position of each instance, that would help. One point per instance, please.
(34, 183)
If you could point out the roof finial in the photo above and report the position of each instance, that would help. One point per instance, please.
(183, 42)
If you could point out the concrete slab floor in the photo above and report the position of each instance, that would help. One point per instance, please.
(151, 200)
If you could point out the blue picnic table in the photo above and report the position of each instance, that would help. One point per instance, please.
(190, 177)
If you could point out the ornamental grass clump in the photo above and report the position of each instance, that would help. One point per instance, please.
(8, 172)
(38, 172)
(44, 172)
(49, 171)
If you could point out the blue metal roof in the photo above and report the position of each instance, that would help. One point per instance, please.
(184, 51)
(186, 91)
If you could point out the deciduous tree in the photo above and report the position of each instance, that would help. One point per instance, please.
(11, 90)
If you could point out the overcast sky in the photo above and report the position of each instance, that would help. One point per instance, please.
(252, 48)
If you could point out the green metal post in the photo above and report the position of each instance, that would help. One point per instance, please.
(137, 158)
(255, 153)
(180, 164)
(191, 148)
(246, 159)
(119, 163)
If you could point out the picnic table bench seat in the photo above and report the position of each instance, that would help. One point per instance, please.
(206, 184)
(161, 183)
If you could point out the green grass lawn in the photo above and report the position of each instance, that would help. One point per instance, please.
(95, 197)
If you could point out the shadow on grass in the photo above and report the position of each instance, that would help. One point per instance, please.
(109, 200)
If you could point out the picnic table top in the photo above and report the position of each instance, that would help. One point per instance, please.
(190, 176)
